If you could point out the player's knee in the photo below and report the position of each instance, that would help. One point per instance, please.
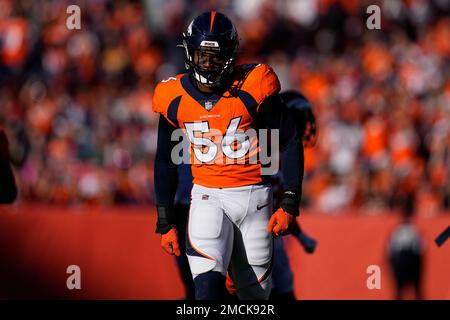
(255, 283)
(256, 291)
(210, 286)
(199, 265)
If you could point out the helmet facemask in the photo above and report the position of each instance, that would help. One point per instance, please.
(210, 67)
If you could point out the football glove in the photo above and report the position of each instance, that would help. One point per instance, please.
(279, 222)
(309, 244)
(169, 242)
(229, 284)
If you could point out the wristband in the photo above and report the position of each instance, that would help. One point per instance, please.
(290, 202)
(165, 219)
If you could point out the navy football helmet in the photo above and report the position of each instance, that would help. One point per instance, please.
(211, 43)
(296, 101)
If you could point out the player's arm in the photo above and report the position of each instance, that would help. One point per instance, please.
(274, 114)
(8, 188)
(165, 182)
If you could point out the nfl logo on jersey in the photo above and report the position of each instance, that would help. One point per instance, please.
(208, 105)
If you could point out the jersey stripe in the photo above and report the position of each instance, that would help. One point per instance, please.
(249, 102)
(172, 111)
(195, 93)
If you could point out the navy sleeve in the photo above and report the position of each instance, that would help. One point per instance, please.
(183, 195)
(292, 166)
(165, 171)
(274, 114)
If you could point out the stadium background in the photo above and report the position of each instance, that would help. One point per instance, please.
(76, 105)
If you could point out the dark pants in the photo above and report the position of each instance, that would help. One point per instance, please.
(181, 213)
(407, 269)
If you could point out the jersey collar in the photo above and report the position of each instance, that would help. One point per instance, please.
(206, 100)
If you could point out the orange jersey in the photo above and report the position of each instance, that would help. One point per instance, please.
(221, 156)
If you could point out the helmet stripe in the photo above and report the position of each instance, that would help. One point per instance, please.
(213, 15)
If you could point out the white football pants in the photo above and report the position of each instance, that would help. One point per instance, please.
(227, 231)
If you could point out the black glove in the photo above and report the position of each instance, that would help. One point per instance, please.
(308, 243)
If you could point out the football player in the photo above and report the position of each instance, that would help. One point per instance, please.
(282, 275)
(8, 188)
(230, 223)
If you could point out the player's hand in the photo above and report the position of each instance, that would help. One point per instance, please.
(169, 242)
(230, 285)
(279, 222)
(309, 244)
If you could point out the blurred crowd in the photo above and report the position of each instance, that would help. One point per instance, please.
(76, 104)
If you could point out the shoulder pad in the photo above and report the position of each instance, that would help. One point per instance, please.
(165, 92)
(261, 82)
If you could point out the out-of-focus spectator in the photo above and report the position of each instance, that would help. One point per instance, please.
(405, 251)
(8, 188)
